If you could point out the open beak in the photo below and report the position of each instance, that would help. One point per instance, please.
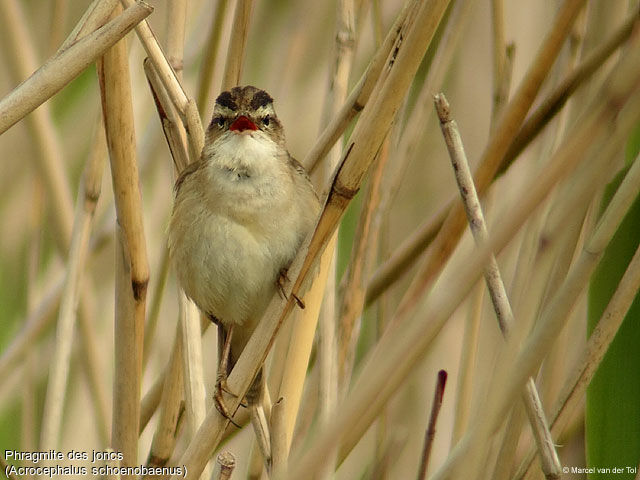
(241, 124)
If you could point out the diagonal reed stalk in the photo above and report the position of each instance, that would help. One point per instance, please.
(50, 164)
(57, 384)
(304, 329)
(359, 153)
(402, 348)
(66, 65)
(185, 105)
(393, 150)
(495, 285)
(421, 238)
(622, 85)
(605, 331)
(360, 94)
(499, 141)
(151, 400)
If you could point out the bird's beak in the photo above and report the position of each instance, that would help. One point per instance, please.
(241, 124)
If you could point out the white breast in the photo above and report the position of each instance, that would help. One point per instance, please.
(236, 224)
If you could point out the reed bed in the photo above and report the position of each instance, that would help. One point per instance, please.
(102, 354)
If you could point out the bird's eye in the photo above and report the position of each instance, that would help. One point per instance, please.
(266, 120)
(219, 121)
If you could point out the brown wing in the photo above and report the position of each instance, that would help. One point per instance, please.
(189, 169)
(300, 170)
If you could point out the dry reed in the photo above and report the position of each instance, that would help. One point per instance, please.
(354, 379)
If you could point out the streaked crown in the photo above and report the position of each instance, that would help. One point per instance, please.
(245, 109)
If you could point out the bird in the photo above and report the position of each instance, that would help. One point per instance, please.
(240, 214)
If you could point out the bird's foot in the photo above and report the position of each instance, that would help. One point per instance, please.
(282, 280)
(218, 398)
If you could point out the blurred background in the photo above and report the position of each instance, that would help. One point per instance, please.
(290, 54)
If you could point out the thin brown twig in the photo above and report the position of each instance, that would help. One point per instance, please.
(430, 432)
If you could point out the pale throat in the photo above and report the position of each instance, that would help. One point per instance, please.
(248, 154)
